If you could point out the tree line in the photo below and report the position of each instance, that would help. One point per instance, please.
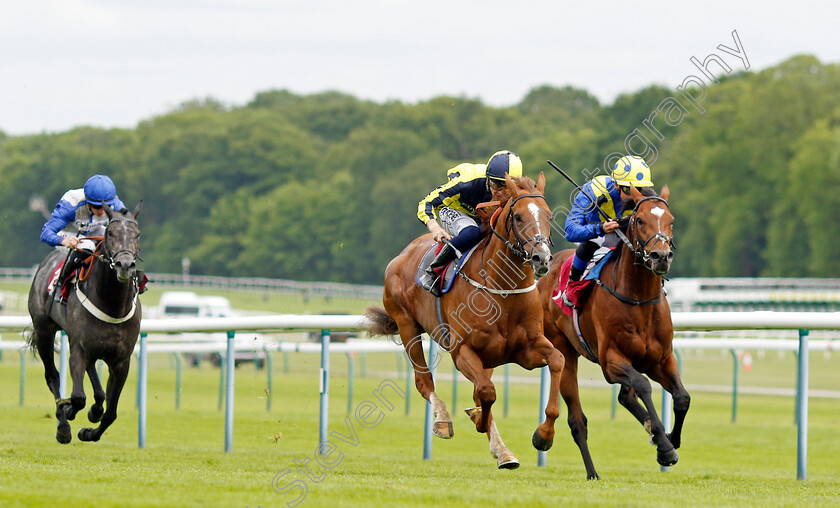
(325, 186)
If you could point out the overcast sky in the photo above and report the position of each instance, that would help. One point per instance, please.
(114, 63)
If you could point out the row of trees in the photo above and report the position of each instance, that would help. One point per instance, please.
(325, 186)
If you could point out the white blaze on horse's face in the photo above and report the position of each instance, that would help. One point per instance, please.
(535, 211)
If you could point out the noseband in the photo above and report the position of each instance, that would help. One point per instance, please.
(519, 248)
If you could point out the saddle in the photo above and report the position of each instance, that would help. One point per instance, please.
(446, 275)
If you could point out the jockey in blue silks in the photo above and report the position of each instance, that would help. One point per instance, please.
(78, 213)
(586, 226)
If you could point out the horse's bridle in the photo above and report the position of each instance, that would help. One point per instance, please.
(637, 246)
(519, 248)
(108, 257)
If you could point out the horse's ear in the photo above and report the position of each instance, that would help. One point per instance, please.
(541, 183)
(511, 185)
(137, 209)
(665, 193)
(108, 211)
(637, 196)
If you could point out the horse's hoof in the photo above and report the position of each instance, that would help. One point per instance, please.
(443, 430)
(95, 413)
(539, 443)
(668, 458)
(593, 476)
(63, 434)
(87, 434)
(508, 461)
(474, 413)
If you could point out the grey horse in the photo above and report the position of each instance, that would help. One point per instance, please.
(101, 319)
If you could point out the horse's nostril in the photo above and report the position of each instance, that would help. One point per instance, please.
(670, 255)
(655, 256)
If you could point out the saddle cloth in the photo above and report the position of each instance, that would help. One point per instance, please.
(446, 275)
(592, 272)
(53, 280)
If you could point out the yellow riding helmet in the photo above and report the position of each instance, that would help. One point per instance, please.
(632, 169)
(504, 161)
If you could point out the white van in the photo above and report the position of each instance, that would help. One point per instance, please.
(186, 304)
(180, 304)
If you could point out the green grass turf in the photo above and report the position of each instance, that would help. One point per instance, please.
(749, 463)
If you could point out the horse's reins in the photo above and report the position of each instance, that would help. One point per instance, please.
(108, 258)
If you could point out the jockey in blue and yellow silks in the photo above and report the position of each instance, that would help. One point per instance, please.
(453, 205)
(586, 226)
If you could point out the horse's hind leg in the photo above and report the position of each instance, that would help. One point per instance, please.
(116, 380)
(668, 375)
(96, 410)
(577, 420)
(411, 335)
(43, 336)
(618, 370)
(77, 374)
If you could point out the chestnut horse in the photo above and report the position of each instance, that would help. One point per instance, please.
(488, 323)
(626, 326)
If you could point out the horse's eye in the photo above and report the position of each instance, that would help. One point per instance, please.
(640, 222)
(517, 217)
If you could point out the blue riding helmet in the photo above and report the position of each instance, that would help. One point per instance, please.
(503, 162)
(99, 189)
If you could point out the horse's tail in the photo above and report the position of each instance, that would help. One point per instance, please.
(381, 322)
(31, 338)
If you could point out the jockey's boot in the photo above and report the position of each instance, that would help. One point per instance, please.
(429, 279)
(74, 261)
(571, 295)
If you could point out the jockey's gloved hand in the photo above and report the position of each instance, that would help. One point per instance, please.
(623, 222)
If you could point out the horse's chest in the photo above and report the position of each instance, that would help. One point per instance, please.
(640, 347)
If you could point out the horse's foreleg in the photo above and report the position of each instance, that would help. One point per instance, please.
(668, 375)
(627, 398)
(116, 380)
(411, 337)
(96, 410)
(618, 370)
(542, 354)
(505, 459)
(577, 420)
(484, 393)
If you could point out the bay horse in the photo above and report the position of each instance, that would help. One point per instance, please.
(101, 319)
(489, 323)
(626, 328)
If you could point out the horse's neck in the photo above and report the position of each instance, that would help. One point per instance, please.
(103, 288)
(501, 268)
(633, 278)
